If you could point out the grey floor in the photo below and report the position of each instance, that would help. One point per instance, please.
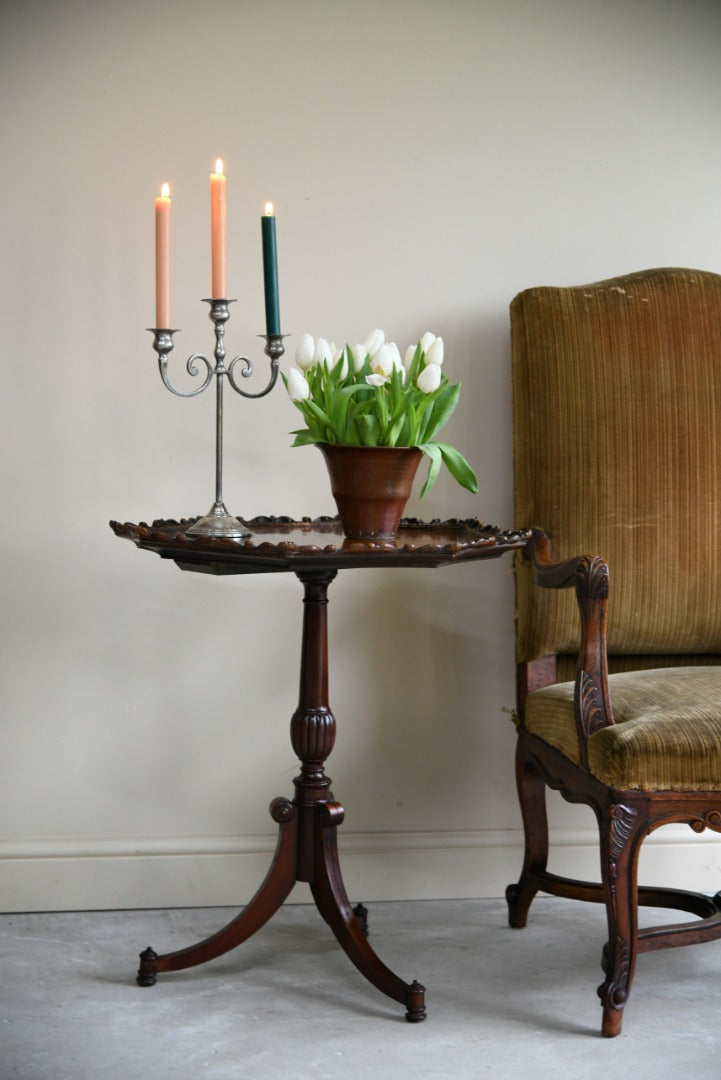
(288, 1004)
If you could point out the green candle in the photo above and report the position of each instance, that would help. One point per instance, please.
(270, 271)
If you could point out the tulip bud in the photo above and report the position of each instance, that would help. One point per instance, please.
(376, 380)
(298, 389)
(322, 352)
(434, 354)
(427, 340)
(374, 341)
(359, 354)
(340, 356)
(408, 358)
(304, 353)
(395, 354)
(382, 363)
(429, 379)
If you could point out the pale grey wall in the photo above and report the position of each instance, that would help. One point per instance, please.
(427, 161)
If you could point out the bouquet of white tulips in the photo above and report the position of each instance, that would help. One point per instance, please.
(366, 395)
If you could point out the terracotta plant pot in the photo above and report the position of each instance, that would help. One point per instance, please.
(371, 486)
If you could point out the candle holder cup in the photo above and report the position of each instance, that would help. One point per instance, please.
(218, 521)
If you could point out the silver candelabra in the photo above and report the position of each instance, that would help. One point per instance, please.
(218, 522)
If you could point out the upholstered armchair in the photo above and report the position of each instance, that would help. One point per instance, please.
(617, 445)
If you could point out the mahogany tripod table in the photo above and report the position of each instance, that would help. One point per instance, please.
(307, 849)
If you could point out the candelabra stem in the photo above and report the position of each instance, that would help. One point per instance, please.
(218, 442)
(218, 522)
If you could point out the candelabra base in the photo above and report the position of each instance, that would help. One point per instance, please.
(218, 522)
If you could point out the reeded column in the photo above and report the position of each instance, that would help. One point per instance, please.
(312, 727)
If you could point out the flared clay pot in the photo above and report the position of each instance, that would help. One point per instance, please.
(371, 486)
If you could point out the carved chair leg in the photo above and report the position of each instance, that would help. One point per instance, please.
(622, 831)
(532, 797)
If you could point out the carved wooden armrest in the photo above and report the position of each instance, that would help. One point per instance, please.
(589, 575)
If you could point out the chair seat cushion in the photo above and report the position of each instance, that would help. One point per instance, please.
(667, 735)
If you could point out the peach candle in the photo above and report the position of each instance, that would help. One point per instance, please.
(163, 203)
(217, 231)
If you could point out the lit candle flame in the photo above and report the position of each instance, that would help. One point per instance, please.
(165, 191)
(219, 167)
(269, 209)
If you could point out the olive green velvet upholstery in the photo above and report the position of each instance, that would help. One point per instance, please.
(617, 417)
(667, 734)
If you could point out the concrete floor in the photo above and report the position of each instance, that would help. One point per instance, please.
(288, 1004)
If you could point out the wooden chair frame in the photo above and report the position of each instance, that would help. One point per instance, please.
(625, 817)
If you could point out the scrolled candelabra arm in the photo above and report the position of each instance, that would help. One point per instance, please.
(163, 344)
(274, 349)
(218, 522)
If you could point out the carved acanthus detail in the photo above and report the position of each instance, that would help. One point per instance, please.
(622, 822)
(593, 716)
(592, 577)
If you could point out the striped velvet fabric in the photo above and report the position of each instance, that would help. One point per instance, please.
(617, 416)
(617, 410)
(667, 735)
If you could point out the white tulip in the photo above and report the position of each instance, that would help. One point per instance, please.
(434, 354)
(374, 341)
(359, 354)
(383, 361)
(298, 389)
(429, 379)
(396, 354)
(304, 354)
(408, 358)
(397, 362)
(323, 352)
(376, 380)
(340, 356)
(427, 340)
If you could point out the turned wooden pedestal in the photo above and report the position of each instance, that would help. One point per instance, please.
(307, 823)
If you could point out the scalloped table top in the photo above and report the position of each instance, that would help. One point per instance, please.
(280, 543)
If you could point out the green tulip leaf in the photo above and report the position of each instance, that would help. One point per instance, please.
(458, 467)
(368, 428)
(433, 452)
(303, 437)
(443, 408)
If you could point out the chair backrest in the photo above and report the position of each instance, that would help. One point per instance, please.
(617, 448)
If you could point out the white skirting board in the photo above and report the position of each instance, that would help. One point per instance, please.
(74, 875)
